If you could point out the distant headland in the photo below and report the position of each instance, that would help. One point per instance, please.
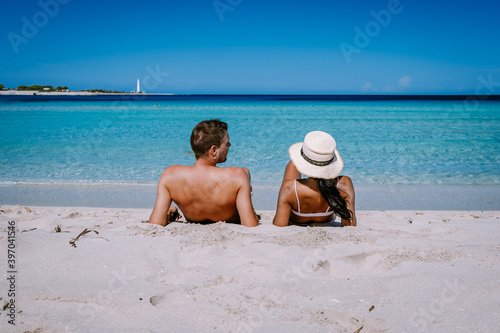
(37, 89)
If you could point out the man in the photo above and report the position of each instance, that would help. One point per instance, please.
(203, 192)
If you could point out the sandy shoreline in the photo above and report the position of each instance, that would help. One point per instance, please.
(368, 197)
(413, 271)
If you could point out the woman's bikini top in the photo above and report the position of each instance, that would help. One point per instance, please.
(298, 213)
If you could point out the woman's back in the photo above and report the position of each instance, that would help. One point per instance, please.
(310, 205)
(321, 196)
(301, 202)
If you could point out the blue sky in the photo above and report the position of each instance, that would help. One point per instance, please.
(254, 46)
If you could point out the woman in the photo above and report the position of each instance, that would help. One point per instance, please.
(322, 196)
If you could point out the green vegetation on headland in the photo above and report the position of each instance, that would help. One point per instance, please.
(48, 88)
(37, 87)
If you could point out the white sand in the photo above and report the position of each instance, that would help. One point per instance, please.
(419, 271)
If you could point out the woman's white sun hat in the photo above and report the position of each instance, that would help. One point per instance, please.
(317, 156)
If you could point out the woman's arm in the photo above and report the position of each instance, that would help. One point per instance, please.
(347, 192)
(291, 172)
(283, 208)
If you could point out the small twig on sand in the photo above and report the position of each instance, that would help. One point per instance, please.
(363, 321)
(358, 330)
(86, 231)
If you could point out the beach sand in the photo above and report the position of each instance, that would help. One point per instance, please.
(398, 271)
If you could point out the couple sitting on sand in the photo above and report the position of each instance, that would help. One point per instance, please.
(205, 193)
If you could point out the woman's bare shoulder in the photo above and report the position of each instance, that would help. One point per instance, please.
(345, 184)
(287, 189)
(345, 180)
(288, 184)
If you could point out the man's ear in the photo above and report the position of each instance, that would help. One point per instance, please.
(212, 151)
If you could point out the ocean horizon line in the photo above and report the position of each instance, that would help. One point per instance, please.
(309, 97)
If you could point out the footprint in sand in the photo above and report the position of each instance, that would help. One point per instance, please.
(73, 215)
(368, 260)
(155, 300)
(359, 263)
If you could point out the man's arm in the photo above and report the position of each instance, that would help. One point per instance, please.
(244, 200)
(162, 212)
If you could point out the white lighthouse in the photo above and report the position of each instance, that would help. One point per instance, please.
(138, 86)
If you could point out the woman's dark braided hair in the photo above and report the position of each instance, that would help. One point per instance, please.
(332, 195)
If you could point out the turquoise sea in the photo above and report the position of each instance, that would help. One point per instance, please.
(124, 141)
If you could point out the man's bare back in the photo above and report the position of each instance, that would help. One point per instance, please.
(204, 192)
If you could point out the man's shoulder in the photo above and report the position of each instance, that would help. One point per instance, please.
(236, 171)
(236, 176)
(174, 169)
